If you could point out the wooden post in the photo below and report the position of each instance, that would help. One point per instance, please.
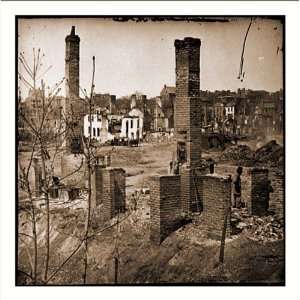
(222, 247)
(116, 269)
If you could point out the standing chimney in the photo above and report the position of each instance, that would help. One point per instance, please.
(72, 65)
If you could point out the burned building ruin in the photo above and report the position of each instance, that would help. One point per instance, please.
(190, 188)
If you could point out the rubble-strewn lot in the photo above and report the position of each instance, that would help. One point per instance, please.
(264, 229)
(186, 256)
(254, 254)
(271, 154)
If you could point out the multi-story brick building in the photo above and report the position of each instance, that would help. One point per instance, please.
(168, 98)
(105, 101)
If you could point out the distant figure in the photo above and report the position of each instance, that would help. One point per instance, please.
(176, 168)
(211, 164)
(237, 188)
(134, 198)
(171, 167)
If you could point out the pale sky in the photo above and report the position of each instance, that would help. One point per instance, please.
(140, 56)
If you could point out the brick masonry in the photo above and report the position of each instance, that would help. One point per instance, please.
(245, 179)
(277, 196)
(187, 104)
(216, 191)
(259, 192)
(165, 206)
(74, 109)
(110, 190)
(250, 187)
(72, 64)
(191, 188)
(97, 185)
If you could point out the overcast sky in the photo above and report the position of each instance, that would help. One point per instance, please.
(140, 56)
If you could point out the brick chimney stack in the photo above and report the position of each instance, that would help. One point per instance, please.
(187, 104)
(72, 65)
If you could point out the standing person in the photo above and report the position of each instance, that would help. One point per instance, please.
(176, 167)
(237, 188)
(211, 164)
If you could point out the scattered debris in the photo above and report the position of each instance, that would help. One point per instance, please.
(241, 154)
(262, 229)
(271, 154)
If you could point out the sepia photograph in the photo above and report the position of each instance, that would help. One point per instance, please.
(150, 150)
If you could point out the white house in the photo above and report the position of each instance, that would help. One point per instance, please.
(229, 110)
(99, 128)
(132, 125)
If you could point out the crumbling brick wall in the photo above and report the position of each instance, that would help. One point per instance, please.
(216, 191)
(259, 192)
(113, 192)
(255, 188)
(277, 196)
(165, 206)
(191, 188)
(97, 185)
(224, 169)
(119, 189)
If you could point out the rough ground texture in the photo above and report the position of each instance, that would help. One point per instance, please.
(186, 256)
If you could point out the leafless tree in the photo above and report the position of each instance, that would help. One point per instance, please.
(38, 122)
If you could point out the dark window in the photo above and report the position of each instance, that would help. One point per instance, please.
(98, 131)
(94, 131)
(138, 123)
(127, 128)
(131, 126)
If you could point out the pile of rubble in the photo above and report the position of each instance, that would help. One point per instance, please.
(264, 229)
(241, 154)
(271, 154)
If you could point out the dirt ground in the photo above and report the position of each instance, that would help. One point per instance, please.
(186, 256)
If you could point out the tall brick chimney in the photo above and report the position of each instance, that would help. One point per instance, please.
(187, 104)
(72, 65)
(73, 109)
